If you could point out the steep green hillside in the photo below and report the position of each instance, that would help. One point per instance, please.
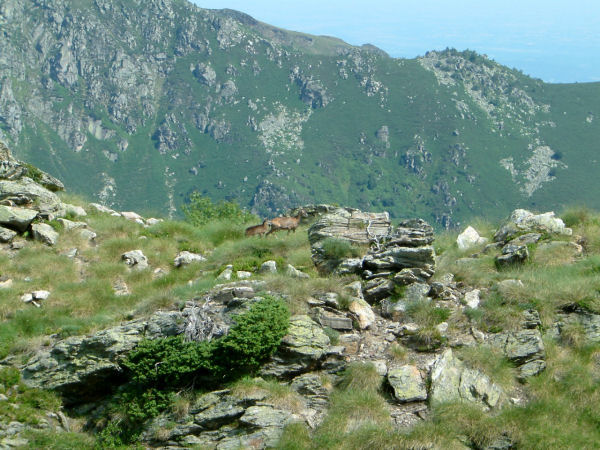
(137, 104)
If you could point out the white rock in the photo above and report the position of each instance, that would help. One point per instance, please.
(74, 210)
(472, 298)
(26, 298)
(469, 238)
(226, 274)
(363, 311)
(291, 271)
(241, 274)
(152, 221)
(40, 295)
(130, 215)
(136, 259)
(184, 258)
(70, 225)
(6, 284)
(442, 327)
(103, 209)
(268, 267)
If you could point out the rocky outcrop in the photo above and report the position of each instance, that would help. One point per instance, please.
(408, 384)
(346, 224)
(522, 221)
(451, 380)
(303, 349)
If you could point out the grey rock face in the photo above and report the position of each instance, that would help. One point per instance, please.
(584, 320)
(451, 380)
(524, 347)
(377, 289)
(348, 225)
(512, 254)
(6, 235)
(16, 218)
(44, 233)
(408, 384)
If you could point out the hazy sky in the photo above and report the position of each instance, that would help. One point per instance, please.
(555, 40)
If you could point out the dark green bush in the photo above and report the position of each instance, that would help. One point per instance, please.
(172, 362)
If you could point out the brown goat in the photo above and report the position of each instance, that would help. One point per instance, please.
(286, 223)
(258, 229)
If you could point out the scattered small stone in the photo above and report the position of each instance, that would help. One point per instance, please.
(120, 288)
(442, 327)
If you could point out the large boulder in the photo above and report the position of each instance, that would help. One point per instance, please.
(522, 221)
(451, 380)
(26, 192)
(16, 218)
(44, 233)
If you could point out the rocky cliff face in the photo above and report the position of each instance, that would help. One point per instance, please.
(137, 102)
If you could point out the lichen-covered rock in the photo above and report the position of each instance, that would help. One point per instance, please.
(451, 380)
(16, 218)
(522, 221)
(44, 233)
(583, 320)
(525, 348)
(408, 384)
(268, 267)
(291, 271)
(301, 350)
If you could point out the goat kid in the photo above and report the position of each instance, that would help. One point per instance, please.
(261, 229)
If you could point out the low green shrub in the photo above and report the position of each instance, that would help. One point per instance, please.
(201, 210)
(333, 248)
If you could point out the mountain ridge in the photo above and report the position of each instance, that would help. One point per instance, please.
(138, 107)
